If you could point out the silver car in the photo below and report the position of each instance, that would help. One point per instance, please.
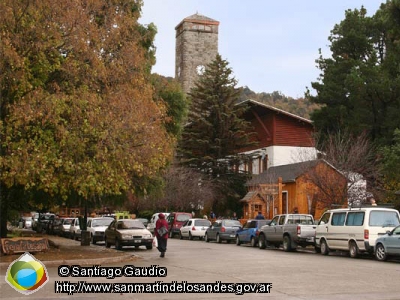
(388, 244)
(224, 229)
(128, 232)
(97, 228)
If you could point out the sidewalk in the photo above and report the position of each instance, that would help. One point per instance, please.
(67, 251)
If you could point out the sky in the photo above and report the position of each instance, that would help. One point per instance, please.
(269, 45)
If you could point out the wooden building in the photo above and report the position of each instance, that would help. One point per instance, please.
(282, 138)
(292, 188)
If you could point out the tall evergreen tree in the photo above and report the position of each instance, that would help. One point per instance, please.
(359, 86)
(216, 133)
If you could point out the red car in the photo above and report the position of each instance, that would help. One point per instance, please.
(175, 221)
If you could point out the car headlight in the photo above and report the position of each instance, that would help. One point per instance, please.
(147, 236)
(126, 236)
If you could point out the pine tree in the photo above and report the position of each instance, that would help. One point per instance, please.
(216, 133)
(359, 86)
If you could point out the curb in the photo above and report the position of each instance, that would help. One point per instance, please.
(81, 262)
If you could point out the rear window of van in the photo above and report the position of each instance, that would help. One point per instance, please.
(384, 218)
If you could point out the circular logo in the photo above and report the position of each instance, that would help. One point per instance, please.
(26, 274)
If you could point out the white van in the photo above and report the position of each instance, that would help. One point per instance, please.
(354, 229)
(152, 224)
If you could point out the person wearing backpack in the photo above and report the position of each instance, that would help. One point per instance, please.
(161, 233)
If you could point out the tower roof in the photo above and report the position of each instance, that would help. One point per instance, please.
(198, 18)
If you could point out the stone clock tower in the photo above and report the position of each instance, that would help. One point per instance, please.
(196, 46)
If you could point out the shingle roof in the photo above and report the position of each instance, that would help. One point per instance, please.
(289, 173)
(257, 103)
(248, 196)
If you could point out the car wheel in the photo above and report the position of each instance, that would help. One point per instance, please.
(353, 249)
(261, 242)
(253, 242)
(238, 240)
(380, 253)
(108, 245)
(287, 243)
(149, 247)
(93, 240)
(118, 245)
(206, 238)
(324, 248)
(317, 249)
(190, 236)
(218, 239)
(180, 236)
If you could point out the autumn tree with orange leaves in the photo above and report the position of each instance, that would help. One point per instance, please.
(77, 107)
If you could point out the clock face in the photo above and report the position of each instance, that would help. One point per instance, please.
(200, 69)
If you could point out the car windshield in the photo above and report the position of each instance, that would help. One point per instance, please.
(101, 222)
(67, 221)
(130, 224)
(232, 223)
(384, 218)
(202, 223)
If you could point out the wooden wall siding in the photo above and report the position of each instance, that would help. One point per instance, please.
(290, 188)
(292, 132)
(301, 193)
(278, 129)
(250, 209)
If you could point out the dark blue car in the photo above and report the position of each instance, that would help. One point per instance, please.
(249, 232)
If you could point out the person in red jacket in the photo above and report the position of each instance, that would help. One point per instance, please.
(161, 238)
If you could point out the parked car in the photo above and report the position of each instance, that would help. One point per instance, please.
(289, 230)
(388, 245)
(194, 228)
(354, 229)
(249, 232)
(65, 225)
(35, 220)
(97, 228)
(128, 232)
(27, 222)
(75, 229)
(55, 226)
(152, 224)
(175, 221)
(43, 222)
(224, 229)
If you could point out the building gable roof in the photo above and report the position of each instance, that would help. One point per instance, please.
(276, 110)
(288, 173)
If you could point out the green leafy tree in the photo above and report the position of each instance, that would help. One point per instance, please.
(216, 133)
(390, 163)
(78, 114)
(169, 91)
(359, 86)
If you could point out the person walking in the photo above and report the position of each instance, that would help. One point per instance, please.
(260, 216)
(161, 233)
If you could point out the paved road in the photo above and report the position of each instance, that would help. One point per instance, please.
(297, 275)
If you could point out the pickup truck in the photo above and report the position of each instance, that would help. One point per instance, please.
(289, 230)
